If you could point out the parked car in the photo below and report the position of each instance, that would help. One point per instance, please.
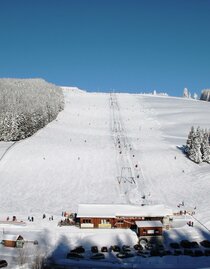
(143, 242)
(138, 247)
(126, 248)
(194, 244)
(104, 249)
(115, 248)
(149, 246)
(185, 244)
(3, 263)
(79, 249)
(123, 255)
(98, 256)
(94, 249)
(205, 243)
(74, 255)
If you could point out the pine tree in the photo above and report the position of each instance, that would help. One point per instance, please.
(199, 134)
(185, 93)
(190, 138)
(195, 96)
(26, 105)
(195, 151)
(198, 145)
(206, 147)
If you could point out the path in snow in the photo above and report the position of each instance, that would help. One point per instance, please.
(125, 178)
(4, 148)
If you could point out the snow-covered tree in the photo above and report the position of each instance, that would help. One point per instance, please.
(197, 145)
(185, 93)
(26, 105)
(205, 95)
(195, 151)
(190, 138)
(199, 134)
(206, 147)
(195, 96)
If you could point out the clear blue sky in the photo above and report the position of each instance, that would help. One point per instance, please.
(100, 45)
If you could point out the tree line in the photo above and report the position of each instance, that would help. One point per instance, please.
(26, 105)
(197, 147)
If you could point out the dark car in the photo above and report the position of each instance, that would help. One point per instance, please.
(126, 248)
(205, 243)
(104, 249)
(149, 246)
(94, 249)
(3, 263)
(115, 248)
(79, 249)
(185, 244)
(138, 247)
(194, 244)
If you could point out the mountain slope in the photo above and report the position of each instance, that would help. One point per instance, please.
(77, 158)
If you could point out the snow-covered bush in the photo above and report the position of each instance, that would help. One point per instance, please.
(197, 146)
(205, 95)
(26, 105)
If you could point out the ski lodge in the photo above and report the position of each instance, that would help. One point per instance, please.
(10, 240)
(147, 220)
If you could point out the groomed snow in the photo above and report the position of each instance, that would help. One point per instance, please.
(76, 159)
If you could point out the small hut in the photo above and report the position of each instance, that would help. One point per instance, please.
(13, 241)
(149, 228)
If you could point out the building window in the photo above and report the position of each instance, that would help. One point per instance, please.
(105, 221)
(150, 231)
(86, 221)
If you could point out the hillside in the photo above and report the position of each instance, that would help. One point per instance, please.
(77, 159)
(27, 105)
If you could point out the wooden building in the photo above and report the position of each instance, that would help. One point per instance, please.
(121, 215)
(10, 240)
(149, 228)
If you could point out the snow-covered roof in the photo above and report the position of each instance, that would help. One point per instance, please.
(122, 210)
(11, 237)
(155, 223)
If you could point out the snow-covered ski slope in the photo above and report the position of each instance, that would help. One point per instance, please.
(108, 148)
